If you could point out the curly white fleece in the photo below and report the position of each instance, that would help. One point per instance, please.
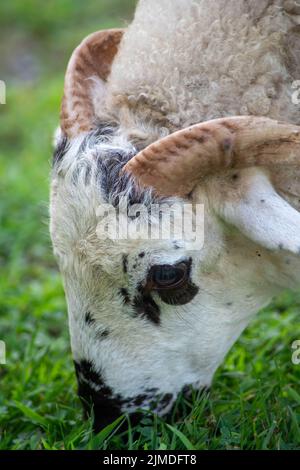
(185, 61)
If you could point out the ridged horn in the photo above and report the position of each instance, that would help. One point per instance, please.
(92, 58)
(174, 164)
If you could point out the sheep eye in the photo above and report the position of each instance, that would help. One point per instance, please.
(167, 276)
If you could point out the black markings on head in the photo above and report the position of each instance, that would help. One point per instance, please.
(125, 295)
(229, 304)
(96, 397)
(151, 399)
(142, 254)
(88, 373)
(102, 134)
(108, 161)
(140, 399)
(235, 176)
(262, 201)
(113, 182)
(145, 306)
(60, 150)
(99, 399)
(88, 318)
(125, 263)
(101, 334)
(164, 402)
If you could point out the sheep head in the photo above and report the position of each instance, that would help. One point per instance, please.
(148, 317)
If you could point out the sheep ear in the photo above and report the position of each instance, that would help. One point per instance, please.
(85, 80)
(261, 214)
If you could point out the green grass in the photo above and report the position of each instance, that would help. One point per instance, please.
(255, 399)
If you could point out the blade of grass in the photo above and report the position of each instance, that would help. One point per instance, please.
(185, 441)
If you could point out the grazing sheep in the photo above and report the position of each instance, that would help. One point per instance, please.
(159, 121)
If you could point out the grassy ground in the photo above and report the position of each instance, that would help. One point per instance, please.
(255, 399)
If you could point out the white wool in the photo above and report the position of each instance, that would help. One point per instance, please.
(186, 61)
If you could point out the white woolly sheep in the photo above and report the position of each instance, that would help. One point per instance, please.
(184, 112)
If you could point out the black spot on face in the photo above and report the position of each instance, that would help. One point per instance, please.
(165, 400)
(145, 306)
(125, 263)
(105, 406)
(60, 150)
(229, 304)
(88, 318)
(140, 399)
(262, 201)
(235, 176)
(151, 398)
(113, 182)
(102, 334)
(102, 133)
(99, 400)
(142, 254)
(85, 368)
(108, 162)
(125, 295)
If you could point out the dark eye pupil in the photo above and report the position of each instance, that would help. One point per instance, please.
(168, 276)
(165, 274)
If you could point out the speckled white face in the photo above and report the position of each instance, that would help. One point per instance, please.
(149, 318)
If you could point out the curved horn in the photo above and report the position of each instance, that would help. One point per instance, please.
(91, 59)
(174, 164)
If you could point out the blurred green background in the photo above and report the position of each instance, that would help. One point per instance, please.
(255, 400)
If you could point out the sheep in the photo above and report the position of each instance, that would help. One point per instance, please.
(191, 105)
